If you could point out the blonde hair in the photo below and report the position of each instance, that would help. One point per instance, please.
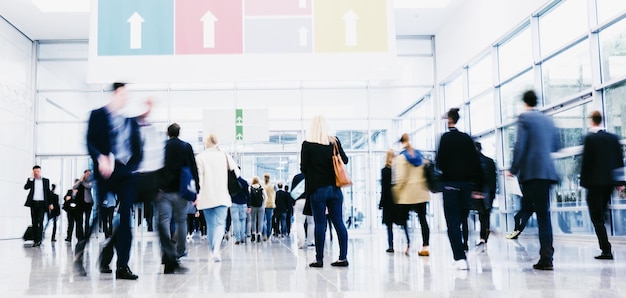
(255, 180)
(318, 133)
(210, 141)
(390, 155)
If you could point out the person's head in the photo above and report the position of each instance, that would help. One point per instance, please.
(120, 96)
(318, 132)
(596, 118)
(530, 98)
(287, 188)
(255, 180)
(279, 185)
(37, 172)
(266, 178)
(406, 143)
(389, 157)
(210, 141)
(86, 174)
(479, 146)
(173, 131)
(453, 117)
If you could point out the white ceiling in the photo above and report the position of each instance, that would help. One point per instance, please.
(37, 25)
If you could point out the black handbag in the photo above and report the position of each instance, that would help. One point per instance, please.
(433, 177)
(234, 186)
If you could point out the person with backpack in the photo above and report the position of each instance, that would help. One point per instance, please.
(258, 197)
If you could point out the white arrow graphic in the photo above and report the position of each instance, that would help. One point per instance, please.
(350, 19)
(302, 3)
(208, 21)
(135, 30)
(304, 36)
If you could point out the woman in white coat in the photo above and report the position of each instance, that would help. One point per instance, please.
(214, 199)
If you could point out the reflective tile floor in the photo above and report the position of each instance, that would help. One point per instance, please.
(278, 269)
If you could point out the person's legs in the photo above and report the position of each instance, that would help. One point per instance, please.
(70, 224)
(539, 193)
(525, 212)
(452, 204)
(126, 195)
(421, 215)
(87, 215)
(37, 212)
(267, 228)
(597, 200)
(235, 217)
(318, 206)
(335, 212)
(179, 206)
(389, 237)
(243, 208)
(300, 219)
(216, 224)
(484, 218)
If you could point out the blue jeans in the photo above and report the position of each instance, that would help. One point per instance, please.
(538, 191)
(267, 226)
(282, 223)
(331, 198)
(238, 216)
(456, 200)
(216, 226)
(172, 208)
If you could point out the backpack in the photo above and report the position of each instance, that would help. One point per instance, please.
(256, 196)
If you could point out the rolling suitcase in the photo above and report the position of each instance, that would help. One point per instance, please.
(29, 234)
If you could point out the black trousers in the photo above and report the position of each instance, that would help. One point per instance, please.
(598, 198)
(37, 211)
(538, 192)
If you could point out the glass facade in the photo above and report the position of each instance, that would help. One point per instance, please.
(563, 68)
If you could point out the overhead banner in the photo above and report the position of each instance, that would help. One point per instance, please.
(234, 40)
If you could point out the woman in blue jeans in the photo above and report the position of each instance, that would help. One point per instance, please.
(317, 166)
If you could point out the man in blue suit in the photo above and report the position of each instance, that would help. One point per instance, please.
(114, 144)
(537, 137)
(602, 155)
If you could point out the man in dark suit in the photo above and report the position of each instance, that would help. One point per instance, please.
(39, 201)
(602, 155)
(483, 205)
(114, 144)
(537, 137)
(170, 205)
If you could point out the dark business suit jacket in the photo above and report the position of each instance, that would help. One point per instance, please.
(537, 137)
(178, 154)
(100, 138)
(30, 185)
(602, 154)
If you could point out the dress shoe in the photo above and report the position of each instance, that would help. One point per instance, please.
(68, 240)
(389, 250)
(604, 256)
(316, 265)
(53, 240)
(125, 273)
(37, 244)
(543, 266)
(105, 269)
(340, 263)
(174, 268)
(513, 235)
